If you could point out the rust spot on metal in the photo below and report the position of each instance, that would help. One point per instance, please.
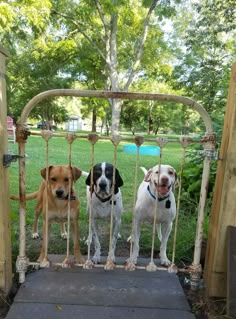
(93, 138)
(70, 137)
(138, 140)
(22, 133)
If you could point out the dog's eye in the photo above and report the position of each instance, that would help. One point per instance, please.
(108, 174)
(157, 172)
(53, 179)
(66, 179)
(171, 173)
(96, 175)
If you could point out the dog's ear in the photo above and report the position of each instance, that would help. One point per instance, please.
(147, 177)
(43, 171)
(76, 173)
(119, 181)
(88, 182)
(175, 184)
(88, 179)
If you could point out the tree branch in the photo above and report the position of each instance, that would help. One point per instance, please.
(113, 52)
(106, 33)
(139, 51)
(78, 25)
(102, 16)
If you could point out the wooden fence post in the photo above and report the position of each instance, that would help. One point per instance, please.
(223, 212)
(5, 226)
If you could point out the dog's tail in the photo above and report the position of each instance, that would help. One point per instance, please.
(86, 174)
(144, 170)
(27, 197)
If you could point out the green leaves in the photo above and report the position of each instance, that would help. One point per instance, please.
(7, 17)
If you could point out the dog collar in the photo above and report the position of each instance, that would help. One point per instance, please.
(103, 200)
(159, 198)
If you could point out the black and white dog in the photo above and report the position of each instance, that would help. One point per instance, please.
(100, 200)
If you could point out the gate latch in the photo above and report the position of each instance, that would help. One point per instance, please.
(8, 158)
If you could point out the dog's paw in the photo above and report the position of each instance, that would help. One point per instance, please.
(110, 265)
(96, 259)
(130, 265)
(64, 235)
(79, 259)
(129, 239)
(165, 262)
(35, 235)
(131, 260)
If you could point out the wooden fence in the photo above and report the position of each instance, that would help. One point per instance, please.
(5, 228)
(223, 212)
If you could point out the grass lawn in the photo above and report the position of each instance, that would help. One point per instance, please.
(81, 157)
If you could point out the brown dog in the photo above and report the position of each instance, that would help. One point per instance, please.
(59, 180)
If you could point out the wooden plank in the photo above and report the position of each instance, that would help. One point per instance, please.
(117, 288)
(5, 229)
(223, 205)
(96, 293)
(231, 272)
(61, 311)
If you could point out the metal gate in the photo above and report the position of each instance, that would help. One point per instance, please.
(208, 142)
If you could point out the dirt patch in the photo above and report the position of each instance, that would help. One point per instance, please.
(202, 306)
(206, 308)
(6, 302)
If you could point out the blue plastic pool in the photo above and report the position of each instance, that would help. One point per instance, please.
(144, 149)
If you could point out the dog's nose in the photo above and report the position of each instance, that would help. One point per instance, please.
(164, 180)
(103, 186)
(59, 192)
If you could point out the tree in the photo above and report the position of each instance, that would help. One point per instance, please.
(69, 40)
(207, 53)
(35, 60)
(117, 31)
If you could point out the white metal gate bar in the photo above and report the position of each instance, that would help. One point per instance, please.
(93, 138)
(70, 137)
(47, 135)
(184, 142)
(110, 264)
(138, 142)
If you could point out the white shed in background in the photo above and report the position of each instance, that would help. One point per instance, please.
(74, 123)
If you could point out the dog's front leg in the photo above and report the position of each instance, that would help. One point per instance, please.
(135, 241)
(38, 208)
(63, 231)
(97, 255)
(165, 231)
(115, 232)
(77, 253)
(43, 248)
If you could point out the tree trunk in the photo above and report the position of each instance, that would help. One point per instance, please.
(110, 39)
(116, 109)
(150, 125)
(94, 120)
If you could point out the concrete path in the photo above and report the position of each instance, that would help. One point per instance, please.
(79, 293)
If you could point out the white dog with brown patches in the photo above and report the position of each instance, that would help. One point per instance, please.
(158, 185)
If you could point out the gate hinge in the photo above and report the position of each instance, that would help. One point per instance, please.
(8, 158)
